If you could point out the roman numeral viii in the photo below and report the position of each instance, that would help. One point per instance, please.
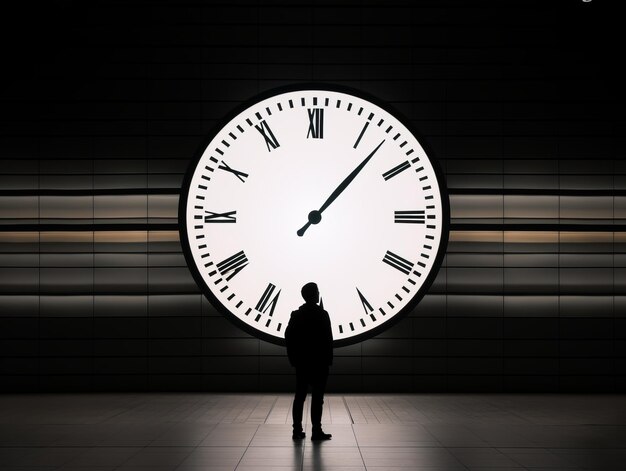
(316, 123)
(397, 262)
(270, 140)
(228, 216)
(417, 216)
(267, 302)
(233, 265)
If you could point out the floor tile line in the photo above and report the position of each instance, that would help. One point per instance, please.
(247, 447)
(358, 446)
(269, 412)
(345, 403)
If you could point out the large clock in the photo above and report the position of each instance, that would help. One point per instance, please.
(314, 183)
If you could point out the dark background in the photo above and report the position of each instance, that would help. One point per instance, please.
(104, 103)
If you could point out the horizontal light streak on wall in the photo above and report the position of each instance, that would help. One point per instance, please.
(163, 205)
(535, 237)
(433, 305)
(118, 237)
(538, 206)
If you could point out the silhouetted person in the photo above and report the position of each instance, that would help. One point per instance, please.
(310, 349)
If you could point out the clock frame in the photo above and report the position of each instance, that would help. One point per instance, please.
(238, 261)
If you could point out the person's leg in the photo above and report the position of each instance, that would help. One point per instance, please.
(298, 400)
(318, 386)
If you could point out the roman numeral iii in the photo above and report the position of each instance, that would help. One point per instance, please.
(397, 262)
(270, 140)
(267, 302)
(232, 265)
(417, 216)
(228, 216)
(316, 123)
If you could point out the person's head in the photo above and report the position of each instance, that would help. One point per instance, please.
(310, 293)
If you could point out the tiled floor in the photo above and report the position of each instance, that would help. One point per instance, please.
(210, 432)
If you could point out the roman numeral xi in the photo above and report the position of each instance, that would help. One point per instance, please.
(270, 140)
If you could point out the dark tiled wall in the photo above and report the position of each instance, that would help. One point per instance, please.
(104, 103)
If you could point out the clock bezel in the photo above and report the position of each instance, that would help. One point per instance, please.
(237, 110)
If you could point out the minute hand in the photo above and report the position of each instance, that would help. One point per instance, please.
(315, 216)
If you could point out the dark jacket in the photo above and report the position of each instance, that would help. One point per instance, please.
(309, 337)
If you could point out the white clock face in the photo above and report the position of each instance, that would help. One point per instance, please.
(314, 185)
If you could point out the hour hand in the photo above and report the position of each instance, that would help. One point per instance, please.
(315, 216)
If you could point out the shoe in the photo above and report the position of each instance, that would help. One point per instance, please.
(298, 435)
(321, 436)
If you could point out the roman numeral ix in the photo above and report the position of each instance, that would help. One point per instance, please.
(398, 262)
(232, 265)
(228, 216)
(316, 123)
(267, 302)
(270, 140)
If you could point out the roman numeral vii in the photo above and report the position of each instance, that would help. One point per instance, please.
(267, 302)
